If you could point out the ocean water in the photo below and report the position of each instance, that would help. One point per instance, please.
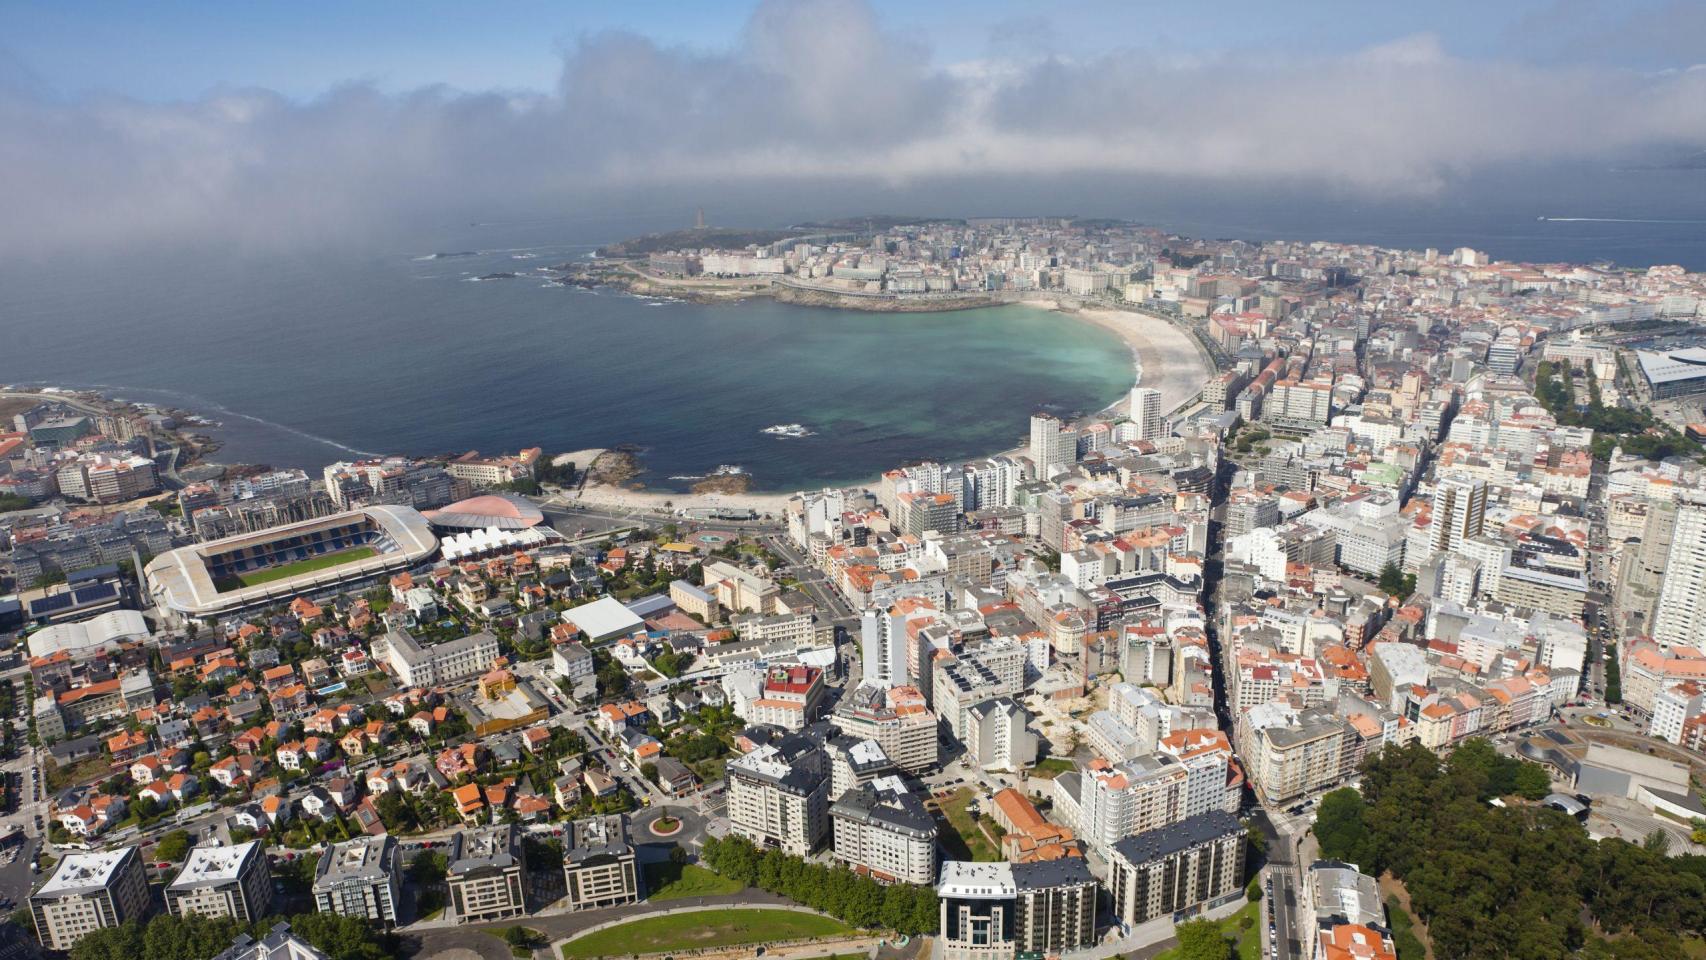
(313, 356)
(306, 361)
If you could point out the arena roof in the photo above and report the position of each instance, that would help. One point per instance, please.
(502, 511)
(74, 638)
(1672, 365)
(180, 582)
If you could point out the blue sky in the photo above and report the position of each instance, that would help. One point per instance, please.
(179, 50)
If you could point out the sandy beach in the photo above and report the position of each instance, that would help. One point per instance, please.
(668, 501)
(1170, 358)
(1167, 358)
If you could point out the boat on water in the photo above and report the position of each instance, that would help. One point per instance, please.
(788, 430)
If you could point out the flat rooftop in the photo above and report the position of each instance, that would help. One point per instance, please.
(82, 873)
(603, 618)
(966, 880)
(363, 859)
(214, 865)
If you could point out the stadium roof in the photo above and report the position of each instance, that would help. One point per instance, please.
(502, 511)
(180, 582)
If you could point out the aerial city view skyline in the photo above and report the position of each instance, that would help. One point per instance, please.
(843, 478)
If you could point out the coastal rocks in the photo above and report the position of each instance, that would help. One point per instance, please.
(724, 483)
(614, 467)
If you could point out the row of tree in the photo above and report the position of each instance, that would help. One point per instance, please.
(837, 891)
(168, 937)
(1520, 881)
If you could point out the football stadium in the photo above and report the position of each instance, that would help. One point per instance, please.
(254, 570)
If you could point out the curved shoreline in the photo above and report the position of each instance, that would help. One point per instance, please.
(1165, 356)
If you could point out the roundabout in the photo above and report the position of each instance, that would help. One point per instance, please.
(668, 825)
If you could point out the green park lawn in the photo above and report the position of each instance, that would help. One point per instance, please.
(678, 881)
(1053, 767)
(701, 929)
(1243, 928)
(967, 841)
(321, 562)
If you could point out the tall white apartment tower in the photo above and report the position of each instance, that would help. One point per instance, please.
(882, 648)
(1146, 413)
(1460, 505)
(1054, 444)
(1681, 615)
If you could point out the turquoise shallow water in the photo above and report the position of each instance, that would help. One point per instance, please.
(310, 360)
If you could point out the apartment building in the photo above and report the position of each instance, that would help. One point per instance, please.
(101, 479)
(278, 944)
(791, 698)
(234, 881)
(1213, 782)
(997, 737)
(897, 719)
(998, 911)
(600, 865)
(360, 878)
(1106, 803)
(1054, 906)
(1336, 896)
(853, 763)
(783, 630)
(1188, 867)
(976, 903)
(778, 795)
(440, 663)
(739, 589)
(86, 892)
(958, 683)
(1146, 413)
(1054, 444)
(1680, 618)
(882, 829)
(1288, 760)
(487, 874)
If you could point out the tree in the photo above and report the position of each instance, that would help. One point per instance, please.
(340, 937)
(1532, 781)
(1253, 890)
(429, 867)
(1341, 830)
(1613, 675)
(1201, 940)
(1391, 579)
(1256, 838)
(173, 846)
(1657, 842)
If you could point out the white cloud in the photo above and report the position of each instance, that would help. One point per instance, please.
(813, 91)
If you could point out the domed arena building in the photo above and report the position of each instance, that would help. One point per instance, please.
(488, 511)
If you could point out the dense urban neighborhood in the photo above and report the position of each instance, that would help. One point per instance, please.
(1385, 641)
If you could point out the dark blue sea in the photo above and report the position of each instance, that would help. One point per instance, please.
(310, 356)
